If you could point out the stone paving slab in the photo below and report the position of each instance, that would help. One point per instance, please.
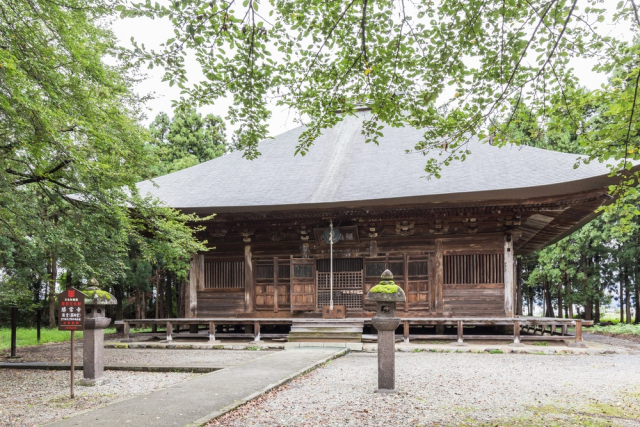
(194, 402)
(194, 346)
(53, 366)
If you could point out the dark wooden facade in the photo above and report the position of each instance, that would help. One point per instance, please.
(452, 260)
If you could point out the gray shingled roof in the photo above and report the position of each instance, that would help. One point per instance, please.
(341, 170)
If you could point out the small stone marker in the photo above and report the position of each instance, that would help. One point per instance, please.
(386, 294)
(93, 340)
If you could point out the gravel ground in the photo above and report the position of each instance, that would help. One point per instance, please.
(29, 398)
(457, 389)
(59, 352)
(627, 341)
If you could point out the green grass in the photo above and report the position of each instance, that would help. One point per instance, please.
(28, 336)
(541, 343)
(617, 329)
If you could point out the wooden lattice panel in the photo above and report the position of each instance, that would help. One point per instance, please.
(341, 280)
(350, 298)
(473, 269)
(223, 274)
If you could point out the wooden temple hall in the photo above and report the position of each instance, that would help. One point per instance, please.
(449, 242)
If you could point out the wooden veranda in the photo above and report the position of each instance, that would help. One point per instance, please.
(557, 328)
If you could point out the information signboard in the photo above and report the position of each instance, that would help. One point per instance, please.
(71, 310)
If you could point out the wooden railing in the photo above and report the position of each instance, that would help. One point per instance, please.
(557, 327)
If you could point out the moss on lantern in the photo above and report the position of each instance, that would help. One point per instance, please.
(385, 287)
(93, 293)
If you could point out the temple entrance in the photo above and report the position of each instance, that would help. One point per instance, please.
(347, 282)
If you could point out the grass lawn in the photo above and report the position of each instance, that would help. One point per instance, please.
(27, 336)
(617, 329)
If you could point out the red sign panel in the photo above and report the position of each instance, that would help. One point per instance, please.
(71, 310)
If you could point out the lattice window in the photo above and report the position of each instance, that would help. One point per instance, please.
(341, 280)
(396, 268)
(340, 264)
(418, 268)
(223, 274)
(304, 270)
(264, 271)
(472, 269)
(350, 298)
(374, 269)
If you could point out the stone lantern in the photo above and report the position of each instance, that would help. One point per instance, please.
(96, 302)
(386, 294)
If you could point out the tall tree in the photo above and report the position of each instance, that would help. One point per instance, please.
(72, 149)
(186, 140)
(318, 57)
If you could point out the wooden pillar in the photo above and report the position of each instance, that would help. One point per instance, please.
(256, 331)
(275, 284)
(516, 332)
(509, 282)
(169, 331)
(249, 289)
(438, 302)
(405, 332)
(126, 330)
(406, 284)
(578, 331)
(191, 299)
(460, 332)
(212, 332)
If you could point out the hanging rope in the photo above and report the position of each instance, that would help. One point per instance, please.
(331, 265)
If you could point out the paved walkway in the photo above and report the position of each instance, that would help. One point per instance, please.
(54, 366)
(194, 402)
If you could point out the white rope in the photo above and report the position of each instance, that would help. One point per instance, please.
(331, 265)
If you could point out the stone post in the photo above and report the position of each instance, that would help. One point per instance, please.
(93, 337)
(386, 294)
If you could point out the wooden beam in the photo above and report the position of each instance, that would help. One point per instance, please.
(438, 277)
(249, 289)
(509, 282)
(200, 272)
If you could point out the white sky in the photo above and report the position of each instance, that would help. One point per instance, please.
(152, 33)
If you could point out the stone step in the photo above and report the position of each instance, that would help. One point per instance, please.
(326, 331)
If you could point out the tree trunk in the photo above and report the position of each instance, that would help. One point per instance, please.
(143, 305)
(627, 297)
(136, 301)
(519, 287)
(181, 303)
(547, 298)
(118, 290)
(160, 295)
(621, 280)
(560, 300)
(53, 277)
(168, 304)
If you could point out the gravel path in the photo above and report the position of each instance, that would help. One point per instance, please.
(615, 341)
(29, 397)
(456, 389)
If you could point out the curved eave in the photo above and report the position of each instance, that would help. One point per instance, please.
(510, 195)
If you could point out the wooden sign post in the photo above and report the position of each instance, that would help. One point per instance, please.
(71, 318)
